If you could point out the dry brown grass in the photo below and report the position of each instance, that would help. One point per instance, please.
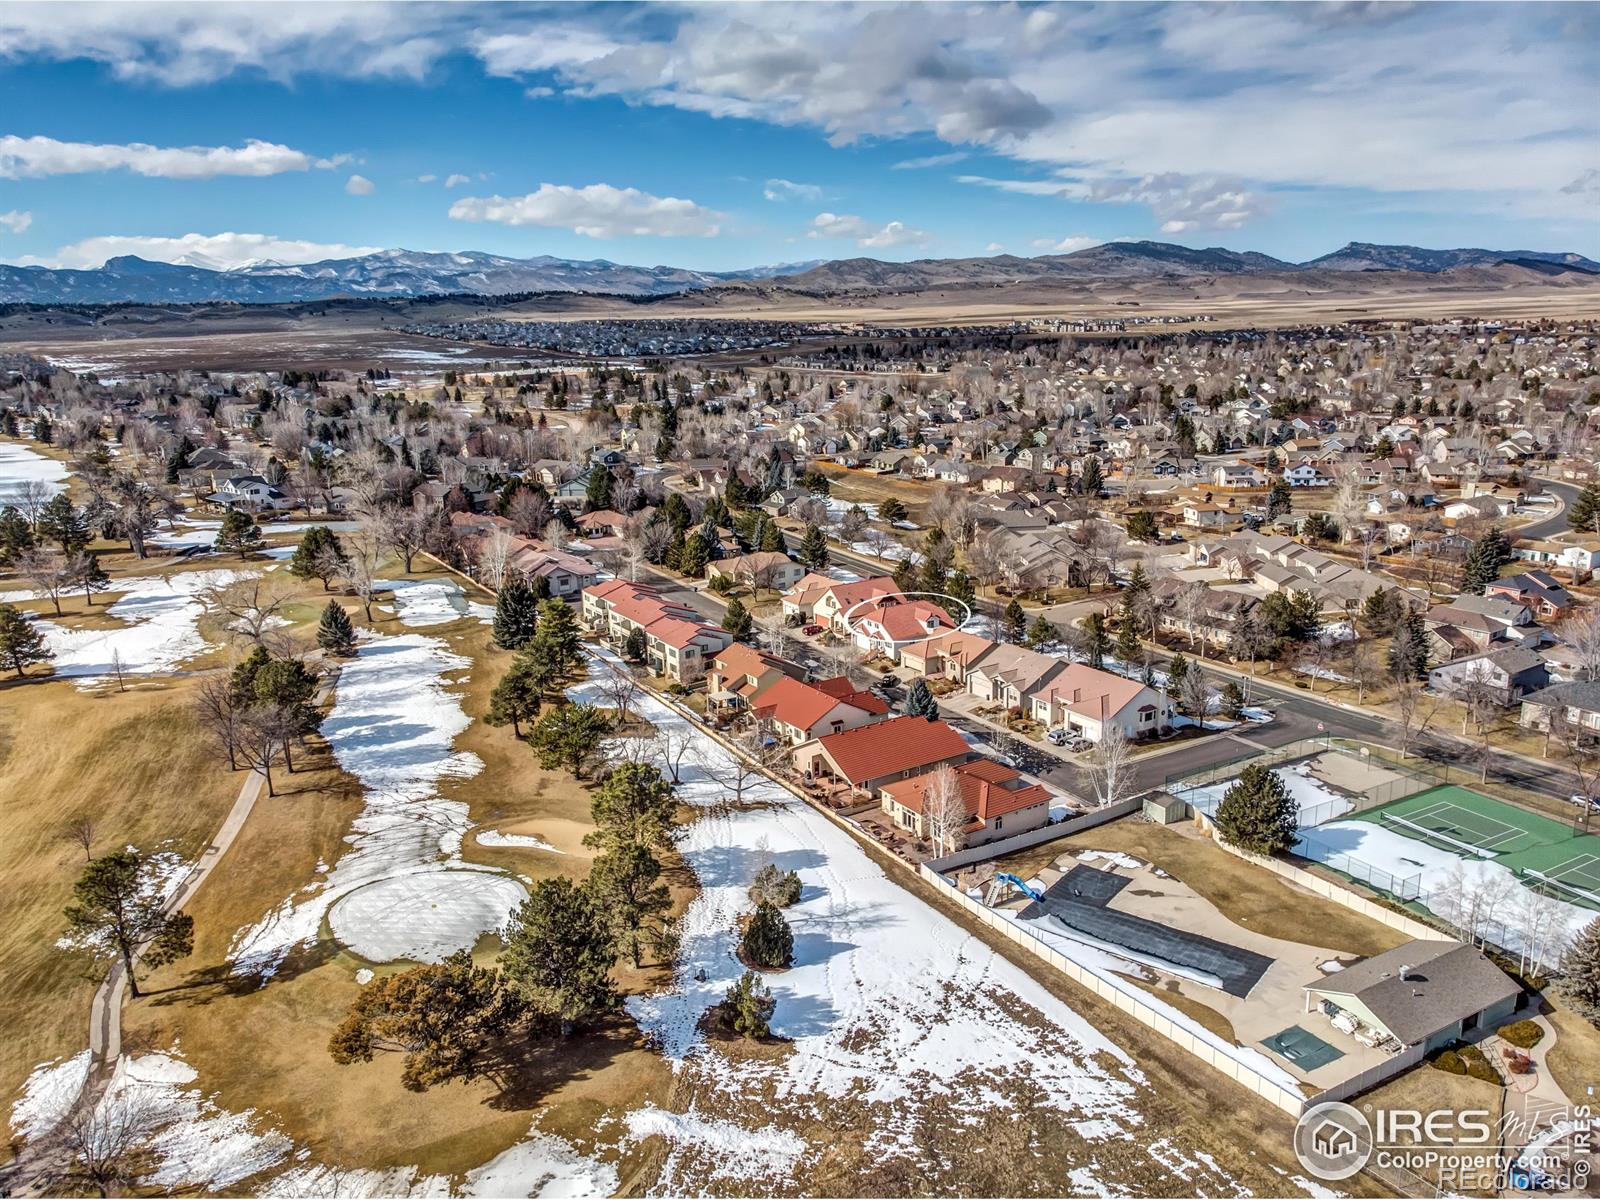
(360, 1115)
(137, 762)
(1244, 894)
(1574, 1058)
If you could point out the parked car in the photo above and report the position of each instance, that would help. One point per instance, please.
(812, 630)
(1070, 739)
(890, 680)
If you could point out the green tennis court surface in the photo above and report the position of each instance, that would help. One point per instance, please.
(1545, 853)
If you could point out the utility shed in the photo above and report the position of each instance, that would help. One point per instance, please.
(1422, 993)
(1163, 809)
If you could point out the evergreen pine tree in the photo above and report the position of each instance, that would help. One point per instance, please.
(1176, 670)
(42, 430)
(738, 621)
(635, 645)
(1580, 971)
(748, 1006)
(1096, 640)
(1127, 641)
(1041, 633)
(516, 615)
(1491, 552)
(768, 941)
(814, 549)
(62, 524)
(598, 490)
(1016, 621)
(906, 576)
(1585, 511)
(318, 556)
(16, 535)
(21, 645)
(239, 533)
(559, 951)
(1093, 479)
(1280, 500)
(90, 575)
(1232, 700)
(335, 633)
(1257, 813)
(959, 587)
(920, 700)
(1408, 649)
(557, 641)
(891, 510)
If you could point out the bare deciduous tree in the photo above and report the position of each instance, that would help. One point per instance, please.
(1111, 766)
(944, 809)
(108, 1141)
(213, 704)
(80, 831)
(494, 555)
(251, 609)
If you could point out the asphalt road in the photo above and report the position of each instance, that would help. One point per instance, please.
(1559, 523)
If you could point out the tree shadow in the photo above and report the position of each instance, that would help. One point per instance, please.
(527, 1069)
(219, 981)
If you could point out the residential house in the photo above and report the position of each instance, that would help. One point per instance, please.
(798, 712)
(999, 802)
(1538, 590)
(871, 756)
(1009, 675)
(1203, 514)
(888, 622)
(1577, 701)
(739, 674)
(1470, 624)
(763, 570)
(1507, 674)
(825, 601)
(1088, 702)
(1237, 475)
(678, 643)
(250, 493)
(946, 655)
(1428, 994)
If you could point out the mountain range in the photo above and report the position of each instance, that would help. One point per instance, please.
(399, 273)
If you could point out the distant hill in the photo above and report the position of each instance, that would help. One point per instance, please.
(411, 273)
(1365, 256)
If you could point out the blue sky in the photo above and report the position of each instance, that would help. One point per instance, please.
(721, 136)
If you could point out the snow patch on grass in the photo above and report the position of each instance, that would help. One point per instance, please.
(48, 1095)
(20, 465)
(526, 841)
(162, 615)
(401, 890)
(542, 1165)
(741, 1153)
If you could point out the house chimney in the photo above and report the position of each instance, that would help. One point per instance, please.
(1405, 969)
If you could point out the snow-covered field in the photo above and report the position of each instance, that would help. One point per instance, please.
(889, 1003)
(889, 551)
(48, 1095)
(19, 465)
(402, 889)
(162, 615)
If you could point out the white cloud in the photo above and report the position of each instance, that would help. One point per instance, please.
(598, 211)
(995, 248)
(788, 189)
(454, 180)
(359, 185)
(1066, 245)
(216, 251)
(37, 157)
(16, 221)
(426, 178)
(929, 160)
(843, 225)
(1182, 203)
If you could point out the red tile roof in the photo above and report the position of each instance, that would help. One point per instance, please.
(902, 619)
(989, 788)
(841, 688)
(888, 747)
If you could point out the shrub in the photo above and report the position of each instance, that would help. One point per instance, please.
(768, 941)
(1479, 1067)
(772, 886)
(1523, 1034)
(1450, 1062)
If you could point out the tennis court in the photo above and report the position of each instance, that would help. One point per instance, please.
(1549, 855)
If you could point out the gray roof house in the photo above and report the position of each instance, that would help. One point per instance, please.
(1422, 993)
(1508, 674)
(1579, 700)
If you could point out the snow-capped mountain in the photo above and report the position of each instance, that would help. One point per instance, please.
(196, 278)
